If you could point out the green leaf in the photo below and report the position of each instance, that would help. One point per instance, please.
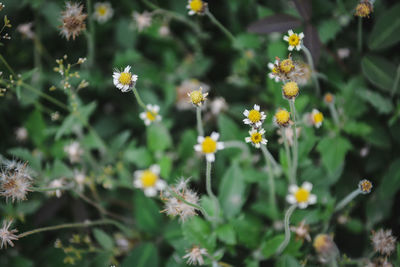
(333, 151)
(198, 231)
(232, 193)
(269, 247)
(328, 30)
(34, 162)
(380, 72)
(357, 128)
(66, 126)
(287, 260)
(158, 137)
(382, 104)
(385, 32)
(61, 170)
(140, 156)
(228, 129)
(36, 128)
(147, 213)
(247, 41)
(144, 255)
(103, 239)
(226, 234)
(51, 12)
(248, 229)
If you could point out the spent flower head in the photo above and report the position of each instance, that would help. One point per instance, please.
(74, 151)
(290, 90)
(325, 247)
(142, 20)
(124, 80)
(295, 40)
(151, 114)
(329, 98)
(103, 12)
(365, 186)
(15, 180)
(383, 241)
(209, 145)
(6, 235)
(195, 255)
(364, 9)
(197, 97)
(301, 196)
(302, 231)
(25, 30)
(256, 137)
(198, 7)
(57, 184)
(149, 180)
(254, 117)
(73, 20)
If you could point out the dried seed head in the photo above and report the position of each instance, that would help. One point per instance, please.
(195, 256)
(73, 20)
(325, 247)
(383, 241)
(6, 235)
(364, 9)
(15, 181)
(365, 186)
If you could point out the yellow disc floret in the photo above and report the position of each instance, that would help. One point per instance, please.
(148, 178)
(282, 117)
(209, 145)
(365, 186)
(318, 118)
(294, 39)
(197, 97)
(290, 90)
(328, 98)
(256, 138)
(254, 116)
(196, 5)
(151, 115)
(102, 10)
(302, 195)
(286, 65)
(125, 78)
(364, 9)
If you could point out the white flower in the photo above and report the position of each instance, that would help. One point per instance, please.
(15, 181)
(80, 180)
(164, 30)
(254, 117)
(74, 151)
(209, 145)
(7, 236)
(184, 89)
(295, 40)
(195, 256)
(256, 137)
(218, 105)
(103, 11)
(196, 7)
(124, 80)
(143, 20)
(301, 195)
(21, 134)
(26, 30)
(274, 71)
(150, 115)
(149, 180)
(317, 118)
(56, 184)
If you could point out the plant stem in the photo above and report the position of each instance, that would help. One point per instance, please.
(288, 157)
(237, 144)
(396, 81)
(47, 189)
(347, 199)
(285, 242)
(200, 129)
(271, 177)
(46, 96)
(334, 114)
(90, 35)
(7, 66)
(200, 208)
(359, 35)
(313, 72)
(219, 25)
(210, 192)
(295, 141)
(67, 225)
(138, 99)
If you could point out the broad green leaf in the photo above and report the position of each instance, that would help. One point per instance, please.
(228, 129)
(357, 128)
(145, 255)
(286, 261)
(103, 239)
(61, 170)
(385, 32)
(198, 231)
(226, 234)
(140, 156)
(147, 213)
(382, 104)
(328, 30)
(34, 162)
(36, 128)
(333, 151)
(51, 12)
(269, 247)
(158, 137)
(247, 41)
(248, 229)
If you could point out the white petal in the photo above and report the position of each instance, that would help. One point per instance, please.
(142, 115)
(150, 191)
(161, 184)
(147, 122)
(290, 32)
(155, 169)
(303, 205)
(191, 12)
(149, 106)
(127, 69)
(247, 121)
(220, 145)
(271, 66)
(156, 109)
(197, 148)
(137, 174)
(293, 188)
(291, 199)
(298, 47)
(214, 136)
(134, 78)
(210, 157)
(200, 139)
(246, 112)
(256, 107)
(257, 145)
(271, 75)
(137, 183)
(286, 38)
(264, 141)
(301, 35)
(277, 79)
(262, 131)
(290, 48)
(307, 186)
(312, 199)
(248, 139)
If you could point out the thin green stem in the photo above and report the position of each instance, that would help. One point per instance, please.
(138, 99)
(48, 189)
(237, 144)
(295, 141)
(271, 177)
(396, 81)
(219, 25)
(313, 71)
(359, 35)
(7, 66)
(288, 156)
(46, 96)
(200, 129)
(210, 192)
(90, 35)
(68, 225)
(198, 207)
(334, 114)
(347, 199)
(285, 242)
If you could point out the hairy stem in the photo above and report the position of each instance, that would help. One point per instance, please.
(138, 99)
(210, 192)
(288, 156)
(271, 177)
(295, 142)
(200, 129)
(7, 66)
(90, 35)
(359, 35)
(334, 114)
(285, 242)
(220, 26)
(347, 199)
(396, 81)
(313, 71)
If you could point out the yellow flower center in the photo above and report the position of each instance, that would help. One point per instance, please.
(318, 117)
(286, 65)
(321, 242)
(294, 40)
(125, 78)
(302, 195)
(148, 179)
(366, 186)
(328, 98)
(256, 138)
(363, 10)
(151, 115)
(275, 70)
(102, 10)
(254, 116)
(290, 89)
(282, 117)
(209, 145)
(196, 97)
(196, 5)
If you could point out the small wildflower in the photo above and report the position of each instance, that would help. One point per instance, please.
(164, 30)
(195, 256)
(149, 180)
(197, 97)
(103, 12)
(301, 195)
(209, 145)
(142, 21)
(329, 98)
(124, 80)
(56, 184)
(317, 118)
(185, 88)
(383, 241)
(15, 181)
(74, 152)
(80, 180)
(343, 53)
(286, 65)
(26, 30)
(282, 118)
(6, 235)
(365, 186)
(274, 74)
(325, 247)
(81, 60)
(256, 137)
(196, 7)
(379, 262)
(55, 116)
(294, 40)
(254, 117)
(73, 20)
(364, 9)
(175, 207)
(289, 70)
(151, 114)
(290, 90)
(302, 231)
(21, 134)
(218, 105)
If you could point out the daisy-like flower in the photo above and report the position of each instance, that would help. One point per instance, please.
(103, 11)
(383, 242)
(197, 97)
(209, 145)
(185, 88)
(124, 80)
(290, 90)
(6, 235)
(295, 40)
(195, 255)
(365, 186)
(15, 181)
(149, 180)
(317, 118)
(254, 117)
(302, 231)
(151, 114)
(256, 137)
(196, 7)
(142, 20)
(73, 20)
(364, 9)
(282, 118)
(74, 152)
(218, 105)
(274, 67)
(301, 195)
